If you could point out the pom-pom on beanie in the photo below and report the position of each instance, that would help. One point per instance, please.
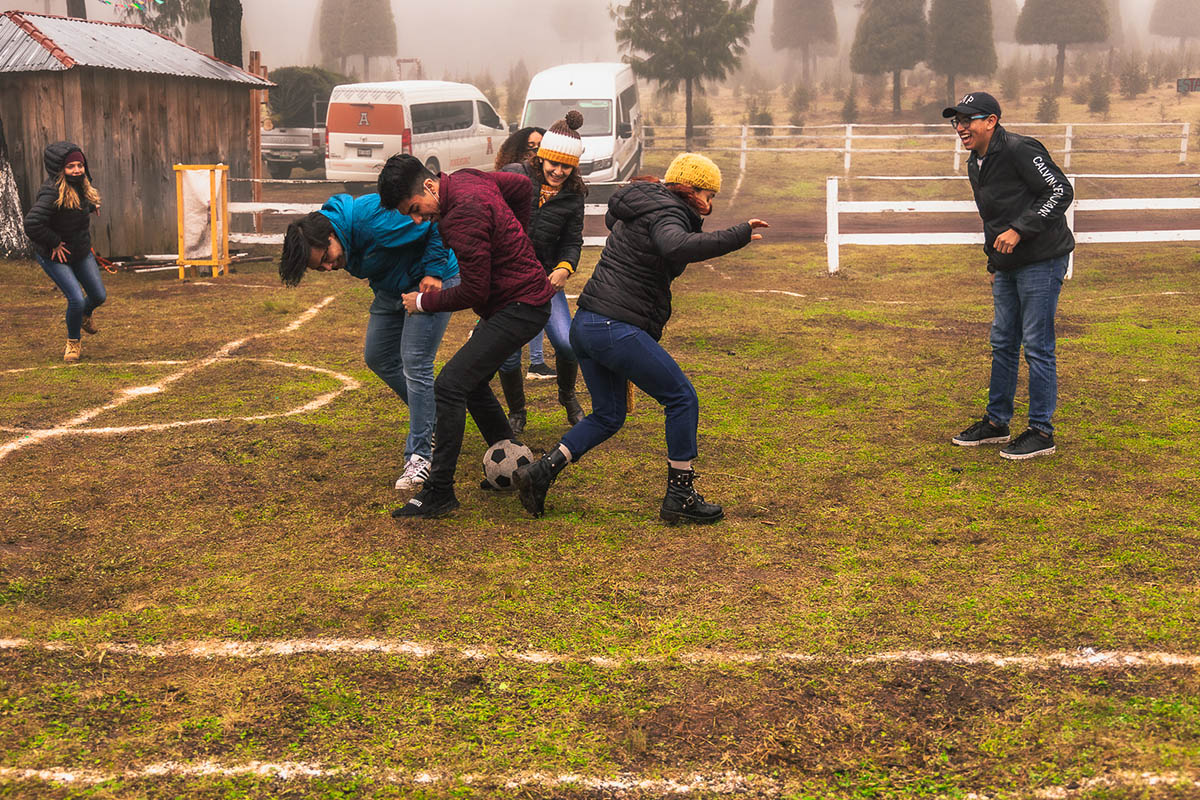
(561, 142)
(694, 170)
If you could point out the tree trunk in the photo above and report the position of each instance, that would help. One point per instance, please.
(896, 92)
(366, 67)
(951, 95)
(1060, 65)
(13, 243)
(77, 8)
(804, 50)
(687, 115)
(226, 18)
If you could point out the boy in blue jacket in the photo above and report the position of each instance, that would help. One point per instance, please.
(396, 255)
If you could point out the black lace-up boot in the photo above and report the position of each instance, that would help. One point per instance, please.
(684, 504)
(533, 480)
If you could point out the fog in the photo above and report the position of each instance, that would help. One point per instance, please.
(465, 38)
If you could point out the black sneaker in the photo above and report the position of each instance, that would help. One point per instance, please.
(540, 372)
(1029, 444)
(428, 503)
(982, 432)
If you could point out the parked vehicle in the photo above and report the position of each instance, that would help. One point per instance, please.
(607, 96)
(447, 125)
(286, 148)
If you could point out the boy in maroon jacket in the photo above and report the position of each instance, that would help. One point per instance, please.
(482, 217)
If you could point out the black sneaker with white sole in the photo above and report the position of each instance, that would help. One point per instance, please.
(982, 432)
(1029, 444)
(428, 503)
(540, 372)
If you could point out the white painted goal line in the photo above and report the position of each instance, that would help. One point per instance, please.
(1081, 659)
(729, 782)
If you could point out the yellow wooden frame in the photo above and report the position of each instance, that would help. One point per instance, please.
(218, 217)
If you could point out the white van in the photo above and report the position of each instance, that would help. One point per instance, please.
(607, 96)
(447, 125)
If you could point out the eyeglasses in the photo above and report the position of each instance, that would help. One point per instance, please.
(965, 122)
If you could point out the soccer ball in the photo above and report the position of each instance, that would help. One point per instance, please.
(503, 459)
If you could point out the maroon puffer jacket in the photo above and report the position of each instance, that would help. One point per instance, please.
(484, 215)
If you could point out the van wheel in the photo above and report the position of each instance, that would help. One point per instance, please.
(433, 166)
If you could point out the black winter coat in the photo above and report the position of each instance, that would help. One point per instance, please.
(655, 235)
(46, 224)
(1019, 186)
(555, 228)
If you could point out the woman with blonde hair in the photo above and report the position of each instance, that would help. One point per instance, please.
(59, 225)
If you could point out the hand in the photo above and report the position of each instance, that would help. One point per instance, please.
(410, 302)
(757, 223)
(430, 284)
(1007, 241)
(991, 277)
(96, 210)
(558, 278)
(60, 254)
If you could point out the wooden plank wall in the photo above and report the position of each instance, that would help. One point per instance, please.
(133, 127)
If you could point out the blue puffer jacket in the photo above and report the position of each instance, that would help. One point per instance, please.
(386, 247)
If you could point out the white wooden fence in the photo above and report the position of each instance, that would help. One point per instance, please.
(834, 239)
(848, 139)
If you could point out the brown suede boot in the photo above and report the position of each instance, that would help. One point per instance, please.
(72, 353)
(87, 324)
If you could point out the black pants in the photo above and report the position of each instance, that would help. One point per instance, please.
(464, 385)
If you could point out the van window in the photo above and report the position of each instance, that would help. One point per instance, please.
(629, 99)
(597, 114)
(456, 115)
(488, 117)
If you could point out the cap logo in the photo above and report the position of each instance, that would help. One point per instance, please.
(969, 99)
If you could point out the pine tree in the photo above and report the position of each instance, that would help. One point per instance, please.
(960, 40)
(514, 90)
(800, 24)
(892, 36)
(1004, 20)
(684, 42)
(369, 30)
(226, 16)
(1175, 18)
(1062, 23)
(331, 26)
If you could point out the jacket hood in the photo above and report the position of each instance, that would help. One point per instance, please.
(639, 199)
(55, 158)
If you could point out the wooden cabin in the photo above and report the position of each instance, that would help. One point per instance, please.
(137, 102)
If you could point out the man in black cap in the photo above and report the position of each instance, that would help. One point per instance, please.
(1022, 198)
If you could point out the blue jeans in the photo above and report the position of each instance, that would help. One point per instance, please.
(559, 331)
(611, 352)
(1026, 301)
(400, 348)
(81, 284)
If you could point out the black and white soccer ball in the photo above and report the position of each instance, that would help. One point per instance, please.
(503, 459)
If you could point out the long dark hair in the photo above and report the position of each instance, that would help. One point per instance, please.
(303, 234)
(516, 147)
(573, 183)
(684, 191)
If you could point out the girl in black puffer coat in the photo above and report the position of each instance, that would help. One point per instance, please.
(556, 229)
(59, 225)
(656, 233)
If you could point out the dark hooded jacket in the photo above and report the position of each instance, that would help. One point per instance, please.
(46, 224)
(555, 227)
(655, 235)
(1019, 186)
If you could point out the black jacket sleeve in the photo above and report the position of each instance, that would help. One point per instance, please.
(677, 243)
(37, 221)
(570, 240)
(1050, 187)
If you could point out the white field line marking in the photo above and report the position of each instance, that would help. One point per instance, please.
(777, 291)
(1127, 296)
(722, 783)
(1082, 659)
(36, 437)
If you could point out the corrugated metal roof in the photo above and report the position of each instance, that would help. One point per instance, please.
(35, 42)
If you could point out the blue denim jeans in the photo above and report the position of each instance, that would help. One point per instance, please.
(611, 352)
(81, 284)
(1026, 301)
(400, 348)
(559, 331)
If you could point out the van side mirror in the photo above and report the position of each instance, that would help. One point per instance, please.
(512, 127)
(624, 130)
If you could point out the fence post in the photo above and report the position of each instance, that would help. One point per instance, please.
(1183, 142)
(1071, 225)
(849, 140)
(958, 151)
(831, 224)
(1067, 147)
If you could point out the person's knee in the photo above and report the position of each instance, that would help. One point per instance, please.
(609, 419)
(75, 301)
(98, 297)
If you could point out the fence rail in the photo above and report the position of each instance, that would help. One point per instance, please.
(834, 208)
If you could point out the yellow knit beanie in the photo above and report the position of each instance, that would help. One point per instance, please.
(694, 170)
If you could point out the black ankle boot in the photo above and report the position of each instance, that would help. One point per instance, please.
(513, 386)
(683, 503)
(533, 480)
(566, 371)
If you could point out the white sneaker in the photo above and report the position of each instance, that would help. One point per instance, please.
(414, 475)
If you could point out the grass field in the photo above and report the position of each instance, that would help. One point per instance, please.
(880, 615)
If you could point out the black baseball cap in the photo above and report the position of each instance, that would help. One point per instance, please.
(973, 103)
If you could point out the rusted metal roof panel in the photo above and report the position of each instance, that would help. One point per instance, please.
(105, 45)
